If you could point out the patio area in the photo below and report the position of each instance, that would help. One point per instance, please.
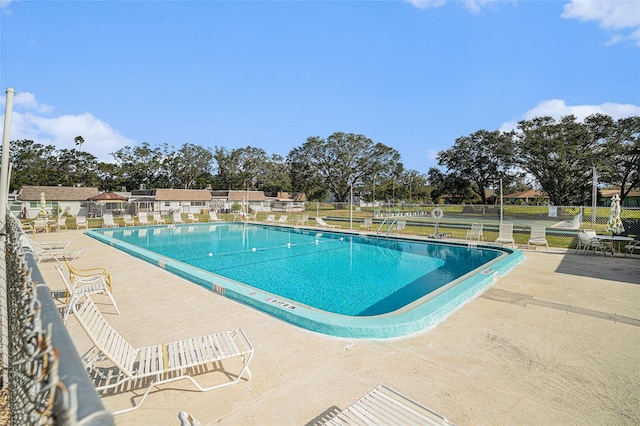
(556, 341)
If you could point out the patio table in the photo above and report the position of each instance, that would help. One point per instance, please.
(614, 239)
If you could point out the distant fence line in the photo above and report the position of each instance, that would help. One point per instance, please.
(562, 222)
(48, 384)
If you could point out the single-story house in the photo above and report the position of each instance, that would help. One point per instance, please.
(285, 202)
(69, 200)
(631, 200)
(170, 200)
(531, 196)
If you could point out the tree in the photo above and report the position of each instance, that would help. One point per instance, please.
(141, 165)
(340, 161)
(30, 163)
(560, 156)
(187, 164)
(239, 168)
(481, 159)
(620, 162)
(451, 185)
(79, 140)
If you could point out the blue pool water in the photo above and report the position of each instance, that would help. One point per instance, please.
(288, 271)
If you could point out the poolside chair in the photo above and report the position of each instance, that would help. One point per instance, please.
(41, 225)
(367, 224)
(143, 219)
(116, 365)
(324, 224)
(60, 224)
(632, 247)
(213, 217)
(158, 219)
(505, 234)
(283, 219)
(83, 286)
(538, 237)
(81, 222)
(107, 221)
(587, 243)
(192, 218)
(177, 218)
(383, 406)
(52, 250)
(270, 218)
(475, 233)
(87, 274)
(304, 219)
(401, 225)
(31, 244)
(128, 220)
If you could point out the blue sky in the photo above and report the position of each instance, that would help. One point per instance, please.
(413, 75)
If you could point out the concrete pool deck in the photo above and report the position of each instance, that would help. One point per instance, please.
(555, 341)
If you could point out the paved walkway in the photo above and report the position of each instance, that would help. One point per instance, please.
(556, 341)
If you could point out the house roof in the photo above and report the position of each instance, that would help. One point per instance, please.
(57, 193)
(183, 195)
(246, 196)
(531, 193)
(297, 196)
(608, 193)
(108, 196)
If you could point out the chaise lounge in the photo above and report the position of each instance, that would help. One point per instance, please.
(113, 363)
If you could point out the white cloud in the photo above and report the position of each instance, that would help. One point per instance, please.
(616, 16)
(427, 4)
(34, 121)
(474, 6)
(557, 109)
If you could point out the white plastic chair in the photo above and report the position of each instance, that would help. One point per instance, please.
(538, 237)
(505, 234)
(475, 233)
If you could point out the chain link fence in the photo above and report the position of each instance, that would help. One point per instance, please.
(47, 383)
(562, 222)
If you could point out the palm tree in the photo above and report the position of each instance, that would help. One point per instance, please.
(79, 141)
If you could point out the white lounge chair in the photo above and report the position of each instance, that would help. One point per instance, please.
(158, 219)
(41, 225)
(283, 219)
(475, 233)
(538, 237)
(44, 253)
(213, 217)
(302, 220)
(324, 224)
(83, 286)
(177, 218)
(505, 234)
(114, 362)
(60, 224)
(107, 221)
(401, 225)
(81, 222)
(270, 219)
(143, 219)
(192, 218)
(128, 220)
(383, 406)
(367, 224)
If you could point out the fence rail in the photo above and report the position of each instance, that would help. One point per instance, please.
(48, 384)
(562, 222)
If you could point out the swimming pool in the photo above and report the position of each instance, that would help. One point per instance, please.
(338, 283)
